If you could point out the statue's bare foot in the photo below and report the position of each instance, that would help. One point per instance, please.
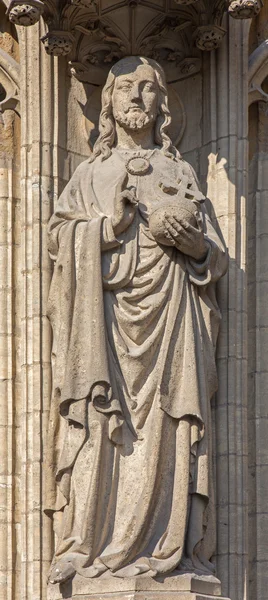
(61, 572)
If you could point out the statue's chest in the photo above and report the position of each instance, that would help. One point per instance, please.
(149, 186)
(148, 191)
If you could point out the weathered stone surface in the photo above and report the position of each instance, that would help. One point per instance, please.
(137, 596)
(182, 587)
(245, 9)
(153, 383)
(209, 119)
(25, 13)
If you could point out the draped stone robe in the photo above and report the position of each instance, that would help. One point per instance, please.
(134, 332)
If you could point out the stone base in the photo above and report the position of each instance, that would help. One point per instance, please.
(180, 587)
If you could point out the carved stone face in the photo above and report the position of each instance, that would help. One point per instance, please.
(135, 97)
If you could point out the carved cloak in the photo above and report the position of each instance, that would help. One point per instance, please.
(134, 333)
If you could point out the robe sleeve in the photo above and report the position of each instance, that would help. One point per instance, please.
(75, 305)
(109, 240)
(72, 206)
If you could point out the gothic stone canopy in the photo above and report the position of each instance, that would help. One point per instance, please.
(96, 33)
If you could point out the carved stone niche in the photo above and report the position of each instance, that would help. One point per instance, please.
(172, 33)
(97, 33)
(158, 35)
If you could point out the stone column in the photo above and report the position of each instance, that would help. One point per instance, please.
(258, 424)
(258, 313)
(9, 302)
(225, 146)
(9, 246)
(38, 185)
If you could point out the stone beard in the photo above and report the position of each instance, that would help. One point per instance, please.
(138, 120)
(134, 316)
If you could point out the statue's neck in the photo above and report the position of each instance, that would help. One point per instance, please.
(140, 139)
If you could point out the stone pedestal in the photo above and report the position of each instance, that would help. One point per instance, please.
(181, 587)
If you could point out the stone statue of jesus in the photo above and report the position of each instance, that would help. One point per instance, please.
(135, 320)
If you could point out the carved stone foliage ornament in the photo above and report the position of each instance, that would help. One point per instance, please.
(208, 37)
(245, 9)
(25, 14)
(128, 461)
(58, 43)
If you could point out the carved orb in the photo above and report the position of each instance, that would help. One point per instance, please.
(24, 14)
(209, 37)
(245, 9)
(184, 209)
(58, 43)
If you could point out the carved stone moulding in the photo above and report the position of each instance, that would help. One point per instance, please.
(186, 586)
(83, 3)
(185, 2)
(25, 14)
(257, 74)
(245, 9)
(9, 83)
(209, 37)
(58, 43)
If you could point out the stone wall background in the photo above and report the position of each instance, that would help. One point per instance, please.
(258, 326)
(45, 145)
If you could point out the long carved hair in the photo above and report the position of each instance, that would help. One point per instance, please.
(106, 138)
